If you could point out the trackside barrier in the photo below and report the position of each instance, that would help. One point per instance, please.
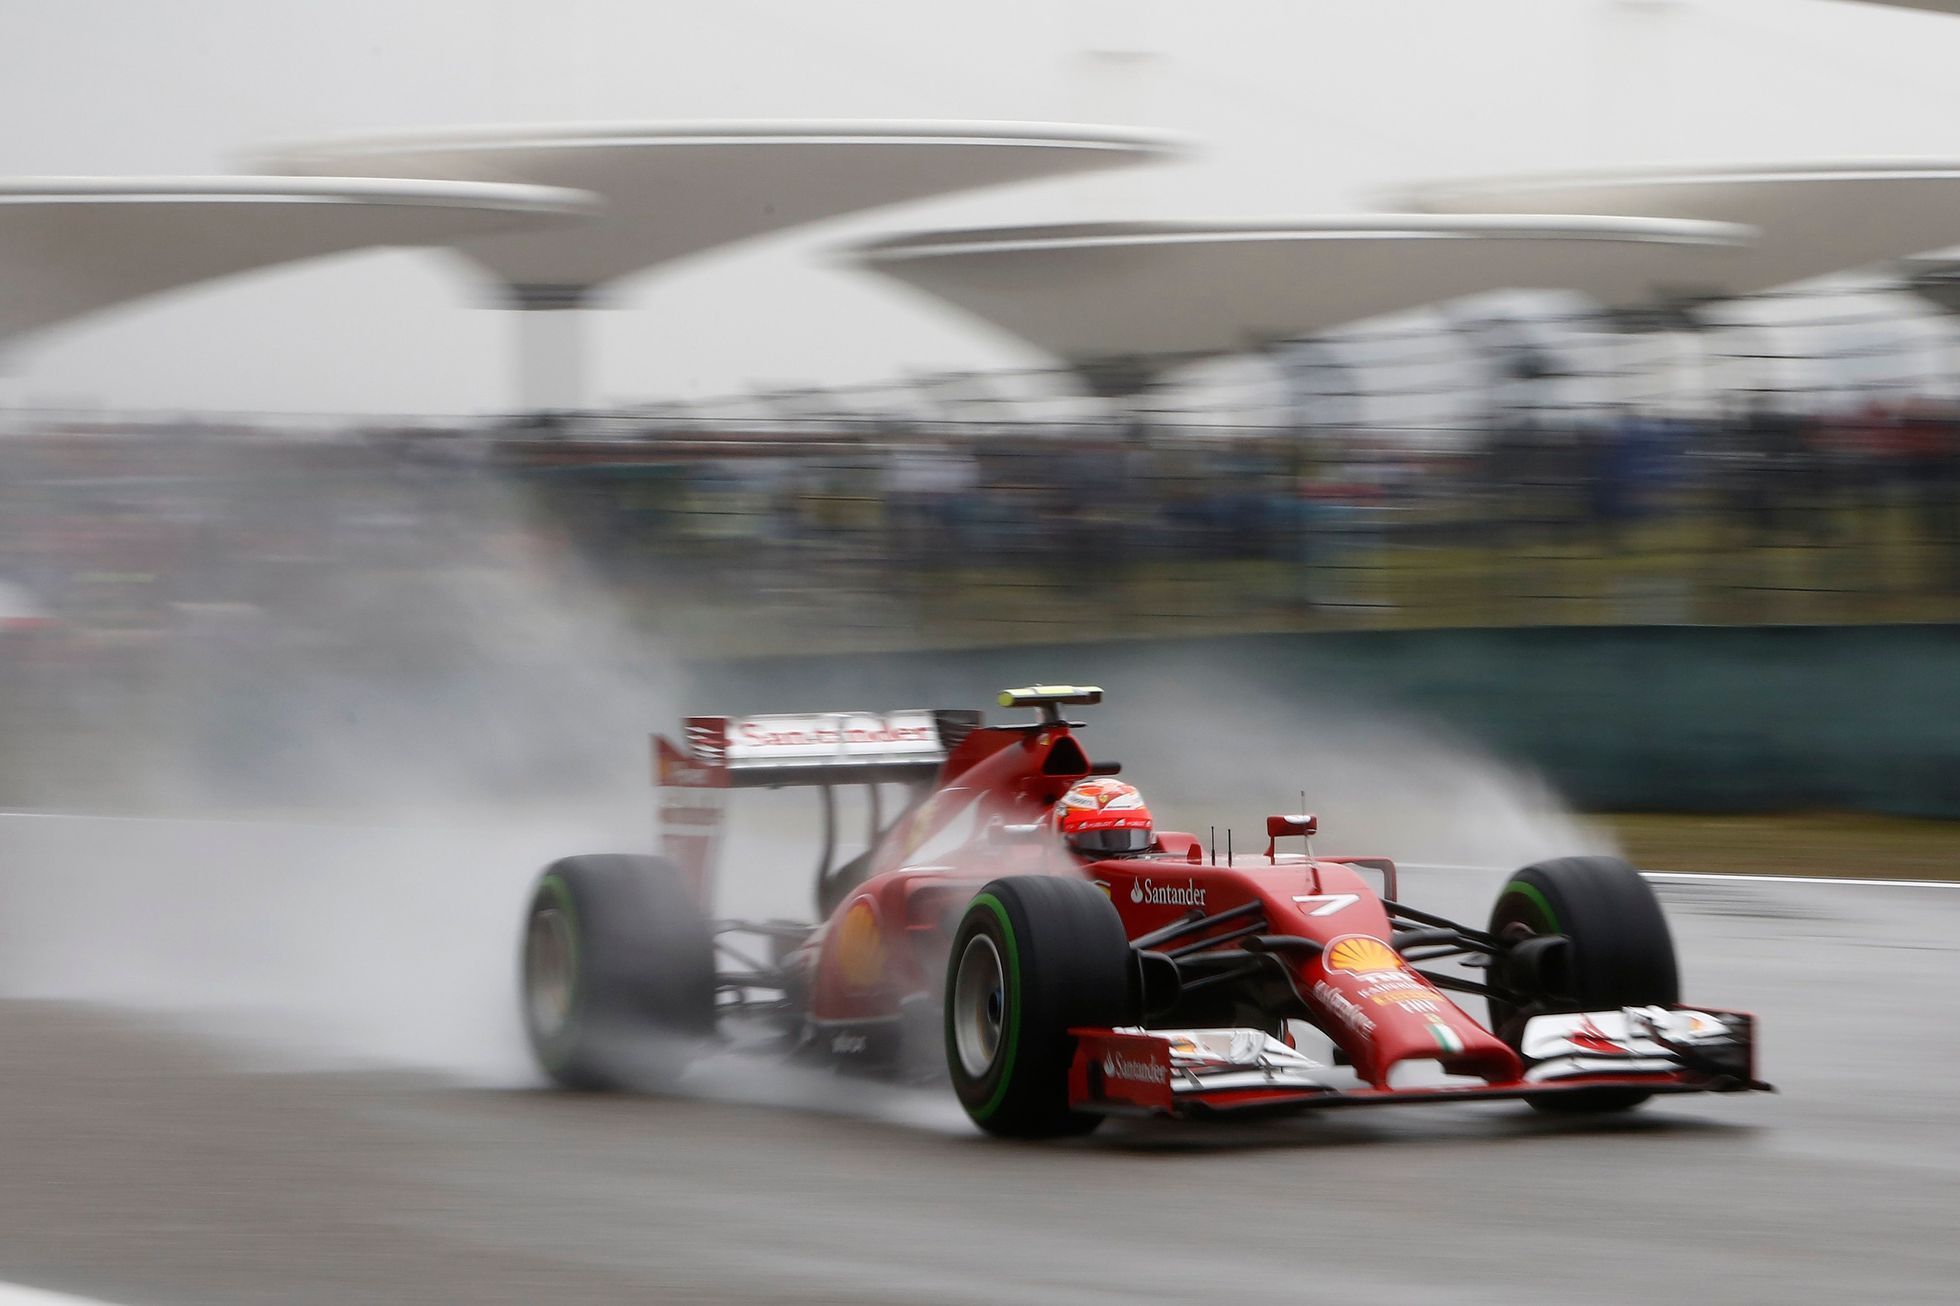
(1686, 718)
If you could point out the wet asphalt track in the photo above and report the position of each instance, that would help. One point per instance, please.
(144, 1161)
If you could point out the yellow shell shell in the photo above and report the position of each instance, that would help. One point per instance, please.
(1360, 953)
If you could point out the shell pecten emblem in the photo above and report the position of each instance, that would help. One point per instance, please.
(860, 947)
(1361, 954)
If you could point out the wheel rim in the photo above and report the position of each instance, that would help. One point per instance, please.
(548, 973)
(979, 1006)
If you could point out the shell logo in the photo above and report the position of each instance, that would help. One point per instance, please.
(860, 948)
(1361, 953)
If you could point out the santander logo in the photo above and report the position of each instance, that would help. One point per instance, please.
(1167, 895)
(1117, 1066)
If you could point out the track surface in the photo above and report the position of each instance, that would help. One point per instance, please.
(146, 1161)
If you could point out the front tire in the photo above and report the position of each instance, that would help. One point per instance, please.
(1033, 956)
(617, 972)
(1618, 953)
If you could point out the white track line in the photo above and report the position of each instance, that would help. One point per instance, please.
(258, 822)
(14, 1294)
(1843, 880)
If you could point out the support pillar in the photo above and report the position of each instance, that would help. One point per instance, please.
(551, 361)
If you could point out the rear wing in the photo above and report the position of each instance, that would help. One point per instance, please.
(811, 748)
(823, 749)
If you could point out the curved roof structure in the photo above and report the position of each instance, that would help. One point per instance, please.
(73, 245)
(674, 189)
(1935, 279)
(1118, 300)
(1814, 218)
(1938, 6)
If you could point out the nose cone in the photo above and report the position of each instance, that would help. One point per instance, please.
(1382, 1013)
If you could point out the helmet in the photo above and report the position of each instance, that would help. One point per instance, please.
(1100, 817)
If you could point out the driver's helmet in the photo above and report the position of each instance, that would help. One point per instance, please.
(1103, 817)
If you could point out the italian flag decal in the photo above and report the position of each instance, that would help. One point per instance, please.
(1445, 1037)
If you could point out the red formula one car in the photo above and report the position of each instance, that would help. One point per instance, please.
(1020, 926)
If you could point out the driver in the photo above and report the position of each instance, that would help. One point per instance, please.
(1104, 818)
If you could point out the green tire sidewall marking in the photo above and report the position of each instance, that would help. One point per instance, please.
(1530, 893)
(556, 1051)
(1010, 1020)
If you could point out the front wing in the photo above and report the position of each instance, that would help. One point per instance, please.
(1192, 1072)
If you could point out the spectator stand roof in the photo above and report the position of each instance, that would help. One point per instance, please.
(677, 189)
(1813, 218)
(1121, 302)
(1937, 6)
(1935, 279)
(75, 245)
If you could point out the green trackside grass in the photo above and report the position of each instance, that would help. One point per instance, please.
(1815, 843)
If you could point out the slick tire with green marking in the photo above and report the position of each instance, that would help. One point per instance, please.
(617, 972)
(1033, 956)
(1618, 952)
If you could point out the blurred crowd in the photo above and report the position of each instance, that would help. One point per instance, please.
(1774, 515)
(1771, 476)
(235, 591)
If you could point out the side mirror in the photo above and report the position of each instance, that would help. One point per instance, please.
(1278, 827)
(1016, 833)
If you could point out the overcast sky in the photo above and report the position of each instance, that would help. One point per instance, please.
(1303, 106)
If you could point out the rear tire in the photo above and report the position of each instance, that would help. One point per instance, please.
(1033, 956)
(1620, 953)
(617, 973)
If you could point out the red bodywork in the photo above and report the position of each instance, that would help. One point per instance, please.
(1376, 1009)
(885, 944)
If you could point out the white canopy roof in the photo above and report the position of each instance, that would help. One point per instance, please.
(1100, 295)
(72, 245)
(1940, 6)
(1814, 217)
(674, 189)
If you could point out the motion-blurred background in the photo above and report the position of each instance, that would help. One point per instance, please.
(1512, 427)
(1581, 376)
